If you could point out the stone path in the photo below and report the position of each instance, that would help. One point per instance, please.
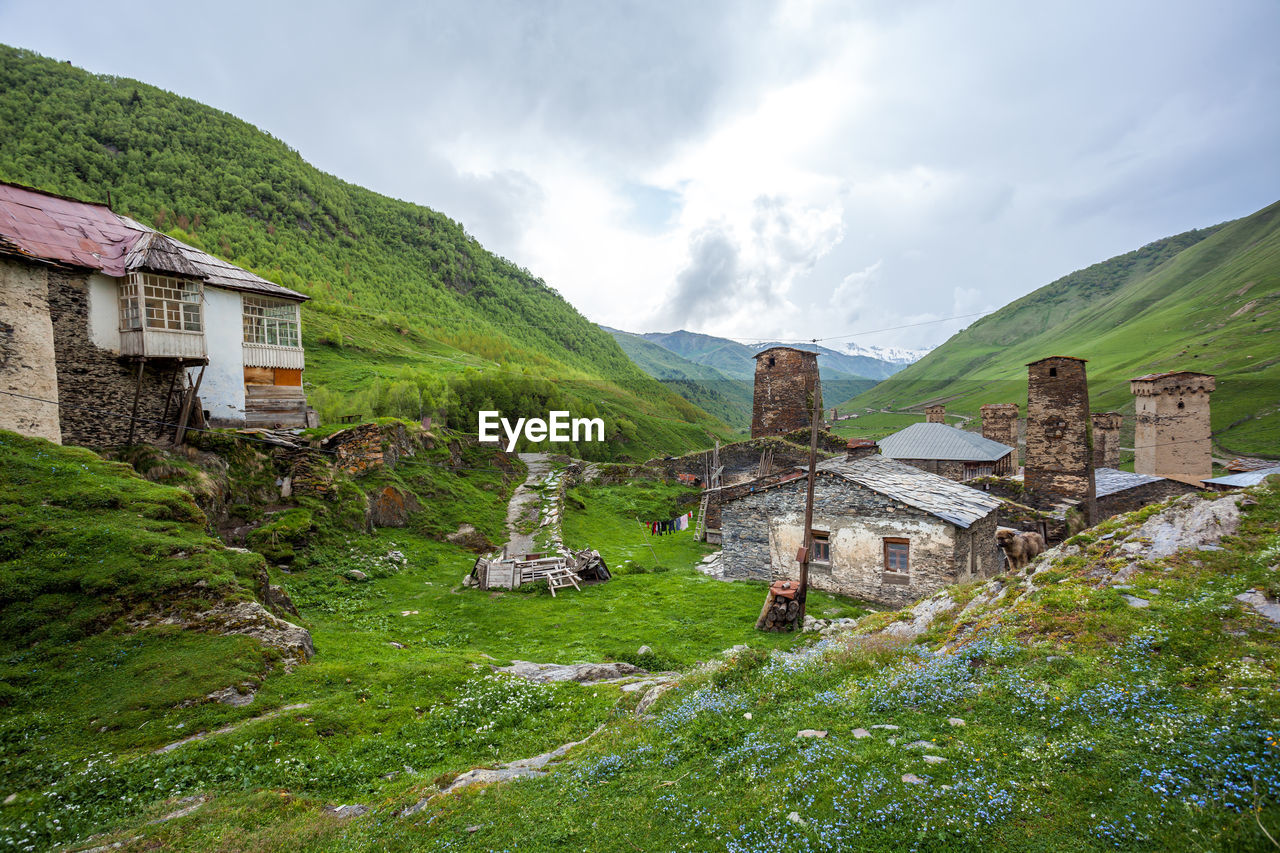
(524, 501)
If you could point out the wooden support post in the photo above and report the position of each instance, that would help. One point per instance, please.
(803, 593)
(180, 433)
(137, 392)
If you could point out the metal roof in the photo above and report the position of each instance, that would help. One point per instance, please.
(1248, 478)
(59, 230)
(1110, 481)
(946, 499)
(939, 441)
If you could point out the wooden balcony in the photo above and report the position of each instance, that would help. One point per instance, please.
(269, 355)
(163, 343)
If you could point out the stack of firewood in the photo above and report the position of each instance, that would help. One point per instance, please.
(781, 611)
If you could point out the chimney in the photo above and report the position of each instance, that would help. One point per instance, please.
(861, 447)
(935, 415)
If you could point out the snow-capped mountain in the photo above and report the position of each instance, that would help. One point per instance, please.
(894, 355)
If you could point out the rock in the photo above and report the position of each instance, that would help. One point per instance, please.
(10, 800)
(886, 726)
(393, 644)
(1190, 521)
(357, 575)
(1134, 601)
(1260, 604)
(934, 759)
(922, 616)
(643, 650)
(1209, 548)
(795, 818)
(583, 673)
(471, 539)
(231, 696)
(391, 507)
(251, 619)
(278, 601)
(733, 650)
(817, 733)
(955, 721)
(859, 734)
(747, 715)
(186, 806)
(344, 812)
(652, 696)
(921, 744)
(912, 779)
(475, 828)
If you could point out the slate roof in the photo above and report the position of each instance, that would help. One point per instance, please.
(1110, 481)
(946, 499)
(1248, 478)
(50, 228)
(939, 441)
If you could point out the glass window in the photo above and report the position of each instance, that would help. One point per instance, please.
(271, 321)
(896, 554)
(821, 547)
(162, 302)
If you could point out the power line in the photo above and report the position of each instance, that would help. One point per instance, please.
(867, 332)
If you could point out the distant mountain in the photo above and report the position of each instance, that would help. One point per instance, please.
(737, 360)
(727, 398)
(893, 355)
(1207, 301)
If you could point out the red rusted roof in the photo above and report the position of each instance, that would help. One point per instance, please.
(51, 228)
(60, 230)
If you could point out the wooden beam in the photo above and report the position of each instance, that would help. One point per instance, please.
(137, 392)
(180, 434)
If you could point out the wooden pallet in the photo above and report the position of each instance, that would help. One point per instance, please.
(561, 578)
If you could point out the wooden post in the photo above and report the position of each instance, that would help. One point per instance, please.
(137, 391)
(180, 434)
(803, 593)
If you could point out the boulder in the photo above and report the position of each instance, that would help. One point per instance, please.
(391, 507)
(468, 537)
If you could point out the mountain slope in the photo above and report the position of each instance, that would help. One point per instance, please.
(1207, 300)
(727, 398)
(224, 186)
(738, 360)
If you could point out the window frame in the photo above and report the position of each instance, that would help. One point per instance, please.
(263, 322)
(892, 574)
(161, 303)
(823, 536)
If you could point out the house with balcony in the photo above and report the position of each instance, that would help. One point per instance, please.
(111, 332)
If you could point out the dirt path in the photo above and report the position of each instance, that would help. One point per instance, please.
(526, 504)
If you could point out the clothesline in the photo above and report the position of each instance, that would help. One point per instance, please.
(671, 525)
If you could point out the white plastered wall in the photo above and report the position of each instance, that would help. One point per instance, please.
(222, 391)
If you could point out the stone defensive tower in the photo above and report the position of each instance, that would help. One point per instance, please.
(786, 386)
(935, 415)
(1059, 432)
(1171, 434)
(1106, 439)
(1000, 423)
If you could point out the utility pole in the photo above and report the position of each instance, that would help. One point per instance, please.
(808, 501)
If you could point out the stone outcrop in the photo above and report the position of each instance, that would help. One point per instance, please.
(582, 673)
(391, 507)
(1188, 522)
(468, 537)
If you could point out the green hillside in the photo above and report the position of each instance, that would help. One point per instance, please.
(738, 360)
(727, 398)
(369, 262)
(1207, 300)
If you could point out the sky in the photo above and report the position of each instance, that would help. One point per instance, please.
(755, 169)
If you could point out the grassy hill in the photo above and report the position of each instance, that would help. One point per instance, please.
(372, 264)
(1207, 301)
(738, 360)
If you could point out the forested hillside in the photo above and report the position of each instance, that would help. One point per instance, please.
(1207, 301)
(372, 264)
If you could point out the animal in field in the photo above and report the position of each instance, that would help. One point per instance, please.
(1020, 548)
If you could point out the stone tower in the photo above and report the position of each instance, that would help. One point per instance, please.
(935, 415)
(1000, 423)
(786, 384)
(1171, 434)
(1106, 439)
(1059, 432)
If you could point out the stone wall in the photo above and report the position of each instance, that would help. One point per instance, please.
(90, 377)
(949, 468)
(28, 361)
(1000, 423)
(1106, 439)
(1136, 498)
(1172, 432)
(763, 530)
(367, 447)
(1059, 429)
(935, 414)
(785, 385)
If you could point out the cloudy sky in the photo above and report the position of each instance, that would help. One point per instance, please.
(767, 170)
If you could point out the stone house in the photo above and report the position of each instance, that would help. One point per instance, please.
(109, 329)
(884, 531)
(1122, 491)
(949, 452)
